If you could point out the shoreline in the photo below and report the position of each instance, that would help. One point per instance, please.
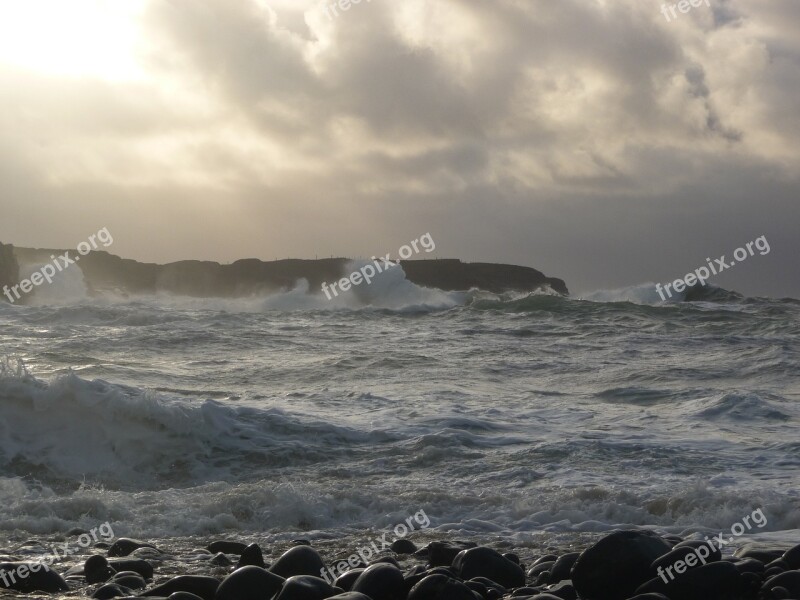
(190, 555)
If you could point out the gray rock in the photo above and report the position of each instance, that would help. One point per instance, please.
(485, 562)
(614, 567)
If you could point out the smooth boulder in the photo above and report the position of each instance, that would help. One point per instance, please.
(124, 546)
(226, 547)
(298, 560)
(31, 577)
(563, 567)
(129, 579)
(442, 554)
(615, 566)
(714, 581)
(139, 565)
(792, 557)
(485, 562)
(403, 546)
(790, 581)
(111, 590)
(306, 587)
(759, 552)
(665, 566)
(97, 570)
(347, 579)
(249, 583)
(251, 555)
(714, 553)
(440, 587)
(205, 587)
(382, 581)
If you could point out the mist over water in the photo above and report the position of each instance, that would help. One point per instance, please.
(511, 415)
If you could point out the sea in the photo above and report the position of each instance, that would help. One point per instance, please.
(524, 421)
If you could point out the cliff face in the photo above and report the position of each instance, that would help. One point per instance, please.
(104, 271)
(9, 268)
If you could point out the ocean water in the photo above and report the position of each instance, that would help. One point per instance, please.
(523, 418)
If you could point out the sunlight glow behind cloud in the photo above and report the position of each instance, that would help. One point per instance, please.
(74, 38)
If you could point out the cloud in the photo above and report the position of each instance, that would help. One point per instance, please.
(591, 139)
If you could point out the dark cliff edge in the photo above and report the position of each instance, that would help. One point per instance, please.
(452, 274)
(106, 272)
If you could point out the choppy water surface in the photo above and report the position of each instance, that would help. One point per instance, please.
(520, 418)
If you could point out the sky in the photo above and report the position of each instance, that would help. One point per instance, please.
(604, 142)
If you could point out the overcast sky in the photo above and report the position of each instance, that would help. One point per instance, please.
(592, 139)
